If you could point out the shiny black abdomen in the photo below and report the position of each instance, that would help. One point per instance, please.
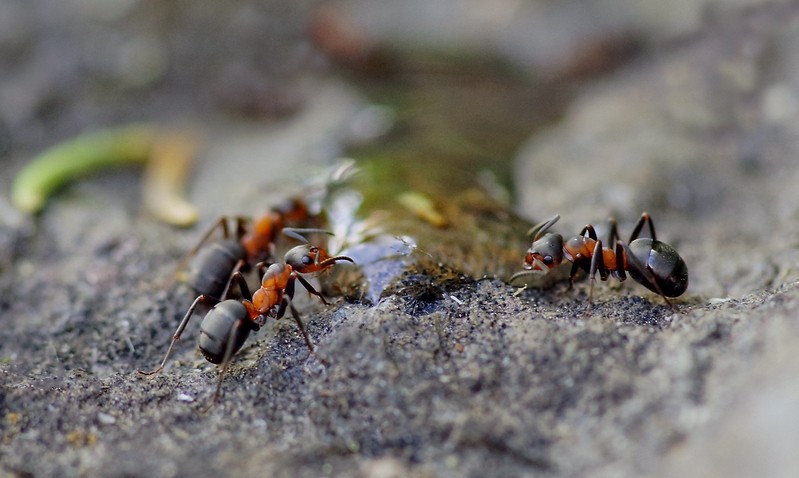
(217, 326)
(663, 263)
(210, 269)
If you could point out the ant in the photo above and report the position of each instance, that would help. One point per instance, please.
(653, 264)
(209, 269)
(227, 325)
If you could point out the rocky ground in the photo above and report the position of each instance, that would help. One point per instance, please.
(446, 370)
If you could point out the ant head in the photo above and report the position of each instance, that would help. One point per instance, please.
(546, 251)
(306, 258)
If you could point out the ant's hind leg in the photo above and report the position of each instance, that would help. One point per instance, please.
(645, 218)
(650, 276)
(200, 299)
(229, 350)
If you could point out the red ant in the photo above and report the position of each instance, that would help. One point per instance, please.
(653, 264)
(228, 324)
(211, 267)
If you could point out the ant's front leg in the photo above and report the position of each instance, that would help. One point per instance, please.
(286, 302)
(310, 288)
(573, 273)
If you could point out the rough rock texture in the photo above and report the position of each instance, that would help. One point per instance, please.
(462, 377)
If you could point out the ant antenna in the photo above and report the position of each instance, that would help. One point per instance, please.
(295, 233)
(539, 229)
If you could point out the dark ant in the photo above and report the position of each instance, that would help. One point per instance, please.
(228, 324)
(210, 268)
(653, 264)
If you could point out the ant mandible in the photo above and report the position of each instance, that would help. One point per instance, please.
(653, 264)
(209, 269)
(227, 325)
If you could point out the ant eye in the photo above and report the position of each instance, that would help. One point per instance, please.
(548, 260)
(307, 260)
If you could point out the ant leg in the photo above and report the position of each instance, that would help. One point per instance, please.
(231, 344)
(310, 288)
(620, 255)
(301, 326)
(180, 329)
(262, 267)
(243, 288)
(597, 264)
(241, 226)
(650, 276)
(236, 270)
(221, 222)
(613, 234)
(640, 224)
(590, 230)
(573, 274)
(288, 295)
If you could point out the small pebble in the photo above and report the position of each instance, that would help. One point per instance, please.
(184, 397)
(105, 419)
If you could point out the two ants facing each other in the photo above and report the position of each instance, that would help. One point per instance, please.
(654, 264)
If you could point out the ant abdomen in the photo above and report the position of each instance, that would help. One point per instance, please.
(663, 263)
(209, 270)
(216, 329)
